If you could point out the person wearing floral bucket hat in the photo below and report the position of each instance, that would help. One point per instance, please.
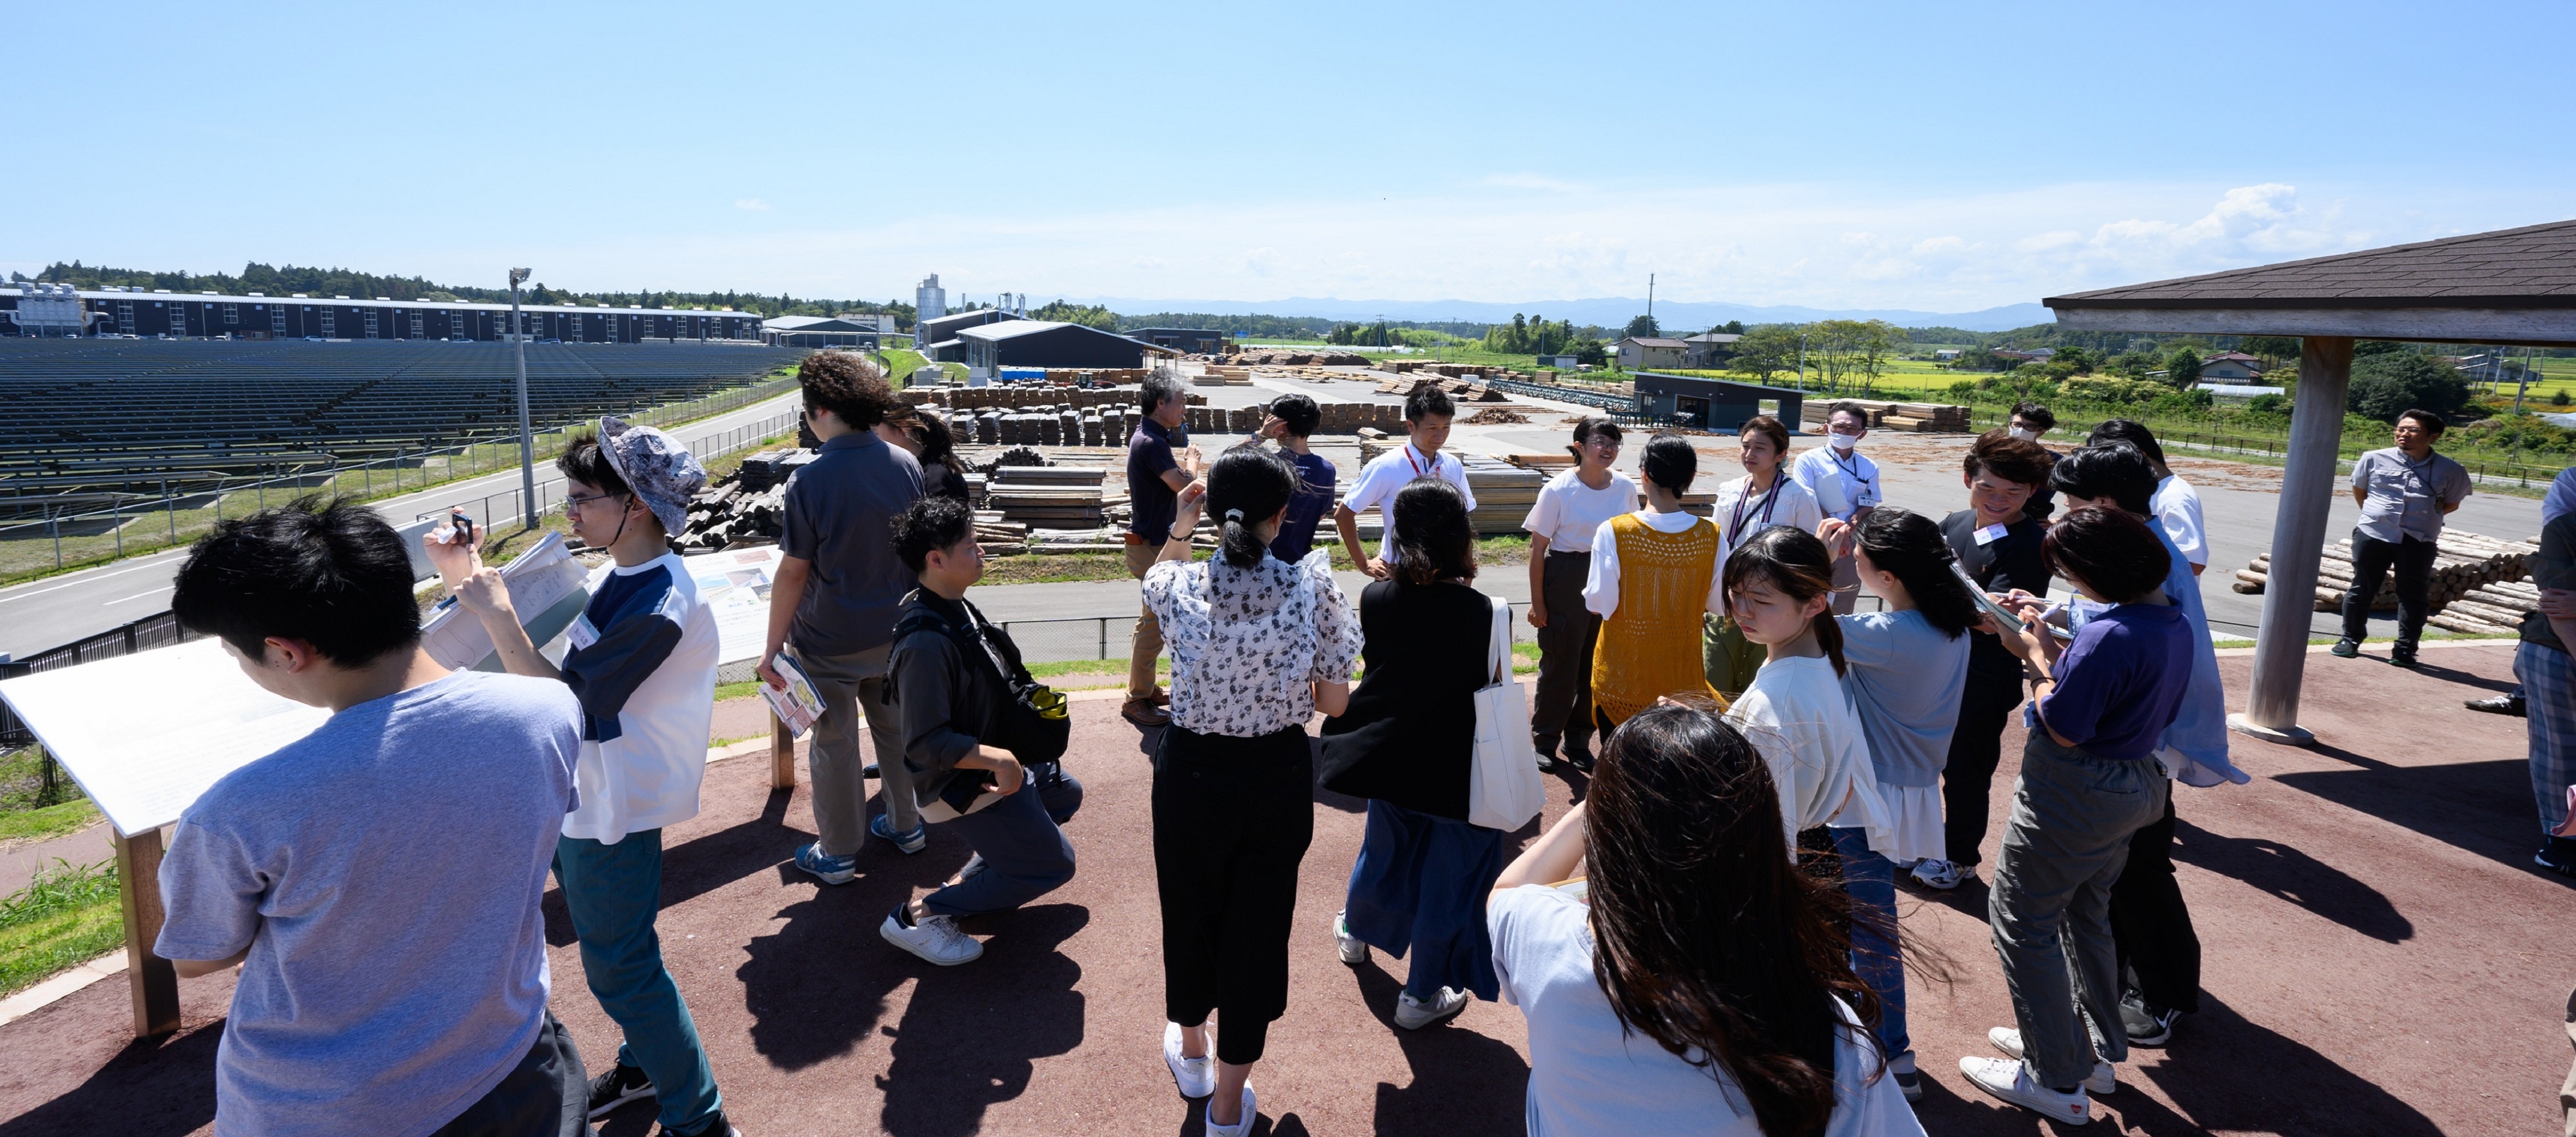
(642, 662)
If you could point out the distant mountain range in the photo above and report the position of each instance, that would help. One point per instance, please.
(1609, 312)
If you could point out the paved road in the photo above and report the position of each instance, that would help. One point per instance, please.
(57, 610)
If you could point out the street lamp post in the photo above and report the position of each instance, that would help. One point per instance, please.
(527, 442)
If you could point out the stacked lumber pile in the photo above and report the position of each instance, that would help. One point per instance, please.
(1054, 497)
(1216, 376)
(1464, 390)
(1504, 492)
(1919, 418)
(1337, 418)
(2463, 564)
(2492, 609)
(1007, 396)
(1543, 462)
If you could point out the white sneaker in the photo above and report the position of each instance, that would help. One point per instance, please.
(2012, 1082)
(1240, 1127)
(1195, 1076)
(1933, 872)
(934, 938)
(1355, 951)
(1412, 1014)
(2104, 1079)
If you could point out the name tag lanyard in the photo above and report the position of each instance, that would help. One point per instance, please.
(1770, 498)
(1851, 468)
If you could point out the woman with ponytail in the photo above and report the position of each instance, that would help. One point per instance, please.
(1407, 744)
(1779, 588)
(1258, 646)
(1695, 981)
(1905, 669)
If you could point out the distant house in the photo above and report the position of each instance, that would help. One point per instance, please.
(1636, 353)
(1560, 362)
(2034, 355)
(938, 336)
(1709, 351)
(2233, 367)
(1715, 404)
(1946, 354)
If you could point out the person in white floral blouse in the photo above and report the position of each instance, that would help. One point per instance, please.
(1258, 646)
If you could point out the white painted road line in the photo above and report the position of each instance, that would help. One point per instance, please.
(138, 596)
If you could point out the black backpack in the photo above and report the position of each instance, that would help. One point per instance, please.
(1030, 719)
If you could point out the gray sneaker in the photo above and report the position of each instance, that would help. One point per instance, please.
(1412, 1014)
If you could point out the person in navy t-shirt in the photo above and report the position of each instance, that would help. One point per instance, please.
(2088, 783)
(1289, 419)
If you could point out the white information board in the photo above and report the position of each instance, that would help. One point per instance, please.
(735, 585)
(144, 734)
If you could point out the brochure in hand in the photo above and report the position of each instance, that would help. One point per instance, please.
(797, 706)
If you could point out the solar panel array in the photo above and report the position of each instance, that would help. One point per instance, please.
(84, 412)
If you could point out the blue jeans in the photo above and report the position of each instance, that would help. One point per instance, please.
(1419, 886)
(1025, 851)
(1876, 956)
(613, 893)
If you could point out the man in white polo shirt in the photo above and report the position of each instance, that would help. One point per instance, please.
(1845, 485)
(1426, 414)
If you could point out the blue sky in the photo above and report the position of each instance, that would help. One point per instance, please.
(1848, 155)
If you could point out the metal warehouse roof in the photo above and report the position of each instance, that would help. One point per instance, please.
(369, 302)
(1013, 329)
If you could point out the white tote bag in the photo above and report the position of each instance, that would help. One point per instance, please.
(1504, 790)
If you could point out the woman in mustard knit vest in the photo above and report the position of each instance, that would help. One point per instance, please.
(1654, 572)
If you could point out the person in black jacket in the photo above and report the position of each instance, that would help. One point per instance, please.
(943, 473)
(1407, 745)
(1997, 540)
(946, 683)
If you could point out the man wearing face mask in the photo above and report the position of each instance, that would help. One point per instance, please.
(2029, 421)
(1845, 485)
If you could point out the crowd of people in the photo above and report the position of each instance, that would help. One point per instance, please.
(1707, 941)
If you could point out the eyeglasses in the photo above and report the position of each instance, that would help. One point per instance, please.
(573, 503)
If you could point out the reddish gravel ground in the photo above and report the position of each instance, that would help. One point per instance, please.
(2381, 959)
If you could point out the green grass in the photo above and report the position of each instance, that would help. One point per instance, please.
(48, 821)
(67, 916)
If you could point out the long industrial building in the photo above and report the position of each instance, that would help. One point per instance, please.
(60, 310)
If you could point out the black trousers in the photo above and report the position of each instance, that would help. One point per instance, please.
(2159, 953)
(2371, 559)
(1232, 819)
(546, 1095)
(1976, 748)
(1564, 703)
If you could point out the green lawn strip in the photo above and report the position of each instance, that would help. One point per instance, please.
(66, 917)
(48, 821)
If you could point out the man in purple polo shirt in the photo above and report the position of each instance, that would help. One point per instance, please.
(1154, 483)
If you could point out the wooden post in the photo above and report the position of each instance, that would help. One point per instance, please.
(2298, 540)
(782, 757)
(152, 979)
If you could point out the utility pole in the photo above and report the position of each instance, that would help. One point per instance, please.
(1802, 361)
(1650, 298)
(527, 442)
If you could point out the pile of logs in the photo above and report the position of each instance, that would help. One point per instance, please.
(1915, 418)
(2476, 582)
(1465, 390)
(747, 505)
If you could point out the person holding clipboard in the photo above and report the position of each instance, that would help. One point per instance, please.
(1764, 497)
(642, 661)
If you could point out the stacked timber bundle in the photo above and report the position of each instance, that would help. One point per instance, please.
(1919, 418)
(1055, 497)
(1504, 492)
(1215, 376)
(2492, 609)
(2463, 563)
(1545, 463)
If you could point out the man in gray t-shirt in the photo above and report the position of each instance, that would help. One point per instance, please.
(2404, 493)
(839, 586)
(377, 881)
